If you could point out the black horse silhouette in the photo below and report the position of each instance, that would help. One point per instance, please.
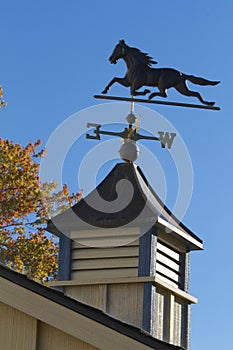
(140, 74)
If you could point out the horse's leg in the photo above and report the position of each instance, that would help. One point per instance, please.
(183, 89)
(123, 81)
(162, 92)
(139, 93)
(134, 89)
(162, 86)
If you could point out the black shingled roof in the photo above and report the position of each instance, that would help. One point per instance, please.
(144, 201)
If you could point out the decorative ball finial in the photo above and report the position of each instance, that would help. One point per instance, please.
(129, 151)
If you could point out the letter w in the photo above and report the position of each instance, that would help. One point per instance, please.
(166, 138)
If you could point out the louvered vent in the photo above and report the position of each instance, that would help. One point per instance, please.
(168, 264)
(92, 263)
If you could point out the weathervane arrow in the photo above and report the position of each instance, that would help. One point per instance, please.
(130, 133)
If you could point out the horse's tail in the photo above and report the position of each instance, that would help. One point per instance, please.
(200, 81)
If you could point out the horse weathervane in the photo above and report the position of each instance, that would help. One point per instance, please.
(141, 73)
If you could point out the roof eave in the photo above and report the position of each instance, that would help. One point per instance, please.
(191, 242)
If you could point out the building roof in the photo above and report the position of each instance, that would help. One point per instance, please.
(77, 307)
(123, 199)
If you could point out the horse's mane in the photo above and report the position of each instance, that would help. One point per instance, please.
(144, 58)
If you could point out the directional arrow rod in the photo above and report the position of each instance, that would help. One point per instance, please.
(166, 138)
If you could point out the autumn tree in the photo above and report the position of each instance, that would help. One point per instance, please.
(25, 206)
(2, 102)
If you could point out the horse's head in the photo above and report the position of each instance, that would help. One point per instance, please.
(118, 52)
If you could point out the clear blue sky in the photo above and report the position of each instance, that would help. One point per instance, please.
(54, 58)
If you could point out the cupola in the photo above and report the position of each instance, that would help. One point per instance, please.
(123, 252)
